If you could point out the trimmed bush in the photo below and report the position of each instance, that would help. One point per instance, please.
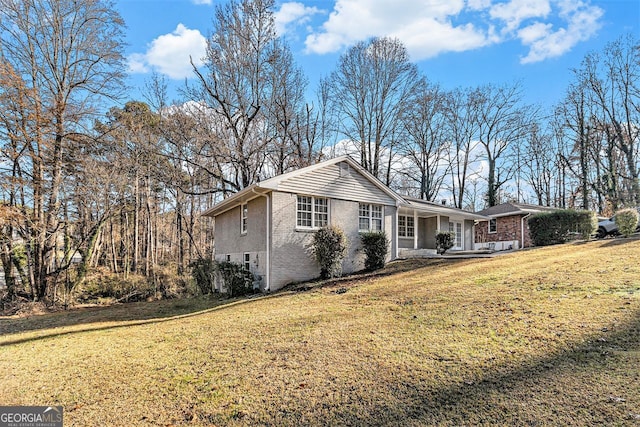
(551, 228)
(376, 246)
(626, 221)
(444, 241)
(329, 247)
(586, 224)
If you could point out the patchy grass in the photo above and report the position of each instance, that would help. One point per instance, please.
(549, 336)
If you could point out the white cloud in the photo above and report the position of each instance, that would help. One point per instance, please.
(430, 37)
(169, 53)
(582, 22)
(205, 2)
(534, 32)
(478, 4)
(546, 28)
(293, 13)
(516, 11)
(425, 27)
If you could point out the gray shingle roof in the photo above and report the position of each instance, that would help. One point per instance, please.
(509, 208)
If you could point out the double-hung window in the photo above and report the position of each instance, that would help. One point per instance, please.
(493, 225)
(312, 212)
(369, 217)
(406, 226)
(244, 218)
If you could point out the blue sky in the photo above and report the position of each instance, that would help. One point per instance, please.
(456, 43)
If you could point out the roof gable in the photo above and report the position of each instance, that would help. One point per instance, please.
(339, 178)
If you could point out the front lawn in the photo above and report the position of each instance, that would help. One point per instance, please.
(549, 336)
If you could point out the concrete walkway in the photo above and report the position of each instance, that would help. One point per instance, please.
(458, 254)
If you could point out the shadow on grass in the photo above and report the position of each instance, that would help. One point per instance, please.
(125, 315)
(619, 241)
(142, 313)
(522, 394)
(395, 267)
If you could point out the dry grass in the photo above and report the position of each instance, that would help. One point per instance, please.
(542, 337)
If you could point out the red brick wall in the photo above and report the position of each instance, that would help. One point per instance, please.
(508, 228)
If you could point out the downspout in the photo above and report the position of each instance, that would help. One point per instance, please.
(267, 280)
(522, 229)
(415, 229)
(396, 250)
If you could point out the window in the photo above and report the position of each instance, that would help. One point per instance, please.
(493, 225)
(247, 261)
(312, 212)
(406, 226)
(228, 257)
(243, 221)
(456, 228)
(369, 217)
(321, 212)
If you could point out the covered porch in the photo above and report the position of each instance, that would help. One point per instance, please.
(419, 220)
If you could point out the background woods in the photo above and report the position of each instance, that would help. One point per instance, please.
(99, 188)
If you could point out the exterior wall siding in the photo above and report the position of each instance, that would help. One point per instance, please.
(405, 243)
(507, 228)
(468, 234)
(231, 244)
(429, 232)
(338, 181)
(291, 256)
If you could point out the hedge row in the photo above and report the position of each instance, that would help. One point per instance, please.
(550, 228)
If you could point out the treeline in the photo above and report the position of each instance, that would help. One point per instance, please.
(122, 192)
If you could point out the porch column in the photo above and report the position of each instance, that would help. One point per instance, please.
(438, 224)
(415, 230)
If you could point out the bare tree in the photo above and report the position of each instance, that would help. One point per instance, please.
(371, 87)
(539, 166)
(238, 84)
(284, 111)
(66, 55)
(462, 130)
(614, 82)
(426, 144)
(502, 121)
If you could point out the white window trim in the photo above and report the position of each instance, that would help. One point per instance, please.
(246, 263)
(313, 212)
(489, 226)
(371, 218)
(458, 236)
(244, 220)
(406, 227)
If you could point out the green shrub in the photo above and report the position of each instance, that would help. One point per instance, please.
(551, 228)
(236, 279)
(586, 224)
(203, 272)
(444, 241)
(627, 221)
(329, 247)
(376, 246)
